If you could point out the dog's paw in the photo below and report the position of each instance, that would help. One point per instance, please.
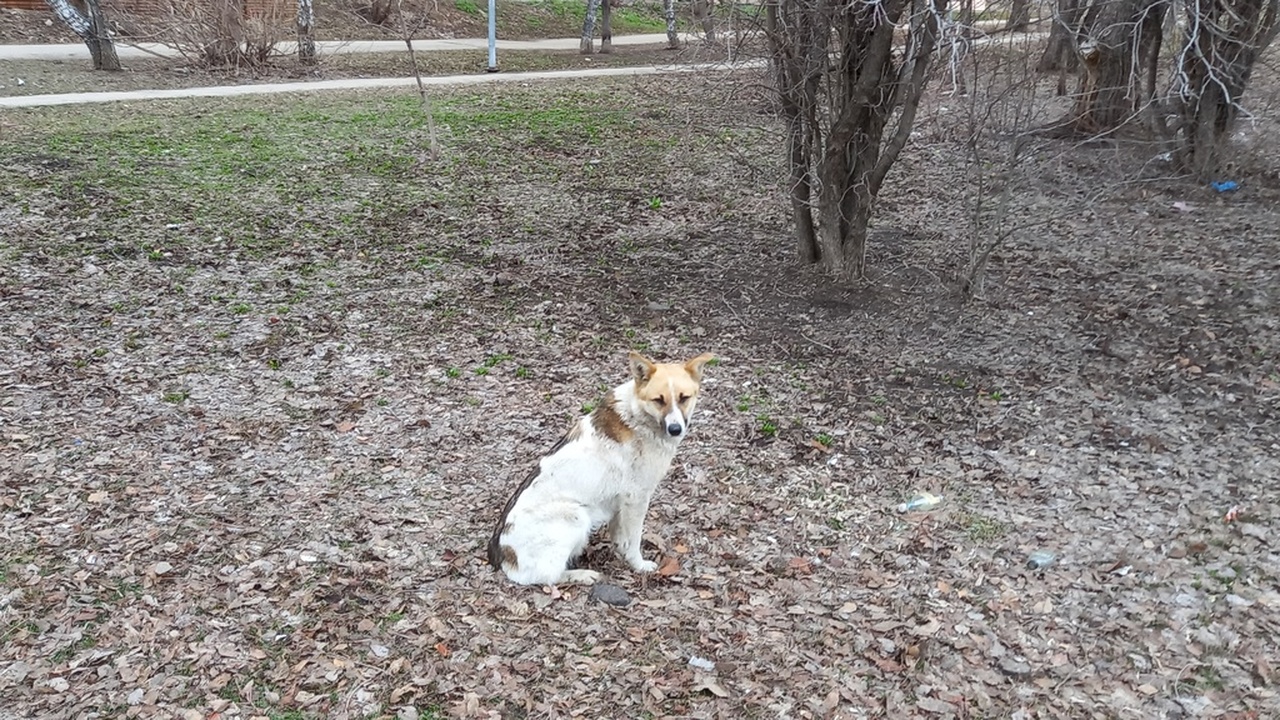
(579, 577)
(644, 566)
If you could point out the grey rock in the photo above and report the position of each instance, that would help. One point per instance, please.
(1015, 667)
(610, 594)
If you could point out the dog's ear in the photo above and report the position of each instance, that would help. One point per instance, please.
(694, 366)
(641, 367)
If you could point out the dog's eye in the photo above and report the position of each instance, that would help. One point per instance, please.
(660, 401)
(684, 399)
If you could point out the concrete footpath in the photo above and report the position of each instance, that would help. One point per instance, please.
(78, 51)
(354, 84)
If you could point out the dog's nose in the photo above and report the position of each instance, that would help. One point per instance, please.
(674, 429)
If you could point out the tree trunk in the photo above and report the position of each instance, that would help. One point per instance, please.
(702, 13)
(669, 12)
(589, 27)
(306, 33)
(91, 27)
(1059, 52)
(606, 26)
(1225, 38)
(840, 141)
(1019, 16)
(1113, 46)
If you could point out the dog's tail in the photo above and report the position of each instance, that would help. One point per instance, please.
(495, 551)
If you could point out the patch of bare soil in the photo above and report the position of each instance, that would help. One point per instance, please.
(251, 463)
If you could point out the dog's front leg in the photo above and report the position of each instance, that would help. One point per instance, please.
(625, 530)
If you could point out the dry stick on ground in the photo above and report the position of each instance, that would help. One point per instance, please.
(407, 34)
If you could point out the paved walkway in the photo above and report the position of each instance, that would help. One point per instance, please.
(78, 51)
(50, 52)
(351, 84)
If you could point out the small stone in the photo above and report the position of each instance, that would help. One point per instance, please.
(135, 697)
(610, 594)
(1015, 667)
(1178, 551)
(1040, 559)
(161, 568)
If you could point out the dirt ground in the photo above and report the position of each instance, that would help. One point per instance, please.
(271, 373)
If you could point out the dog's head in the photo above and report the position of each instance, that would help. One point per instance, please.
(667, 392)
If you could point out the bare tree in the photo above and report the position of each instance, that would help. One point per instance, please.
(1019, 16)
(378, 12)
(606, 26)
(1118, 40)
(701, 12)
(306, 33)
(91, 27)
(407, 31)
(849, 98)
(1224, 39)
(669, 14)
(1060, 50)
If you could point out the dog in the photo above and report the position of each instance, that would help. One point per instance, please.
(603, 472)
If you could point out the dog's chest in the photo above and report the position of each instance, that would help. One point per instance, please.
(649, 465)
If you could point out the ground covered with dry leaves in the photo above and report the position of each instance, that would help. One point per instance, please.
(269, 372)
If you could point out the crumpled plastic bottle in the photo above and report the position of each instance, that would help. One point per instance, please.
(922, 502)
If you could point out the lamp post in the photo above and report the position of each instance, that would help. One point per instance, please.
(493, 35)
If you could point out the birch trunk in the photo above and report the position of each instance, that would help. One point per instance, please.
(589, 26)
(669, 12)
(306, 33)
(91, 27)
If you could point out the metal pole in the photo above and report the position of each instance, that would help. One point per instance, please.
(493, 35)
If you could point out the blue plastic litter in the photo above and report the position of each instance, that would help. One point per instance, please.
(1224, 185)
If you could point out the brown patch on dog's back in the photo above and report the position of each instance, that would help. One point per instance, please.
(606, 420)
(509, 559)
(575, 432)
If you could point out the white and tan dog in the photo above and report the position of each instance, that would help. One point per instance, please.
(603, 472)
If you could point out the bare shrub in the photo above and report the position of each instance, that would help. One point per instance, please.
(375, 12)
(217, 33)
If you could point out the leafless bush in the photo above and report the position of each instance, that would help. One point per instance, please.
(996, 112)
(375, 12)
(217, 33)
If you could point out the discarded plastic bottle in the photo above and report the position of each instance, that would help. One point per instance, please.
(1040, 559)
(922, 502)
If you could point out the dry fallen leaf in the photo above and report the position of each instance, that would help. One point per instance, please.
(669, 566)
(711, 686)
(442, 649)
(346, 426)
